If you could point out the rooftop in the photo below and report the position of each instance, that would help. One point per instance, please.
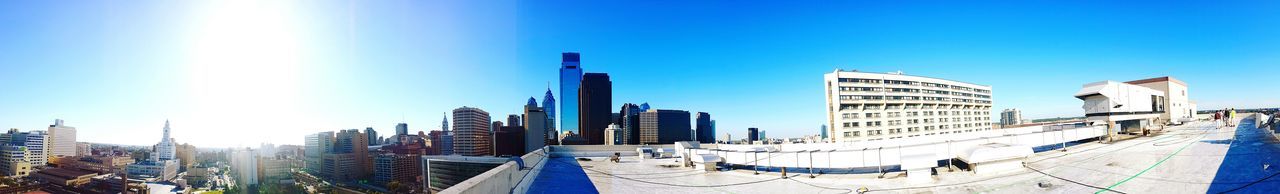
(1193, 158)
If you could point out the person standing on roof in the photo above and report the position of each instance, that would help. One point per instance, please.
(1217, 119)
(1233, 116)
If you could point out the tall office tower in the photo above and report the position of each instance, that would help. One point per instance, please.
(549, 106)
(753, 134)
(705, 133)
(494, 127)
(167, 149)
(514, 120)
(823, 132)
(471, 132)
(62, 139)
(244, 167)
(644, 107)
(595, 107)
(351, 143)
(373, 136)
(446, 137)
(658, 126)
(1010, 117)
(629, 122)
(570, 79)
(865, 106)
(535, 127)
(316, 146)
(35, 142)
(402, 129)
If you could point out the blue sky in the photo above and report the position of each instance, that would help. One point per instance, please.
(236, 73)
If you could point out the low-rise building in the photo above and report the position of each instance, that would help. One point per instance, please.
(63, 176)
(13, 161)
(161, 170)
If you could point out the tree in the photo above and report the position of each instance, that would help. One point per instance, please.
(395, 187)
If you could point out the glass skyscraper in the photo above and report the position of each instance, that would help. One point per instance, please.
(570, 79)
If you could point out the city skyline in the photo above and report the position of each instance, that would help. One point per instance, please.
(116, 71)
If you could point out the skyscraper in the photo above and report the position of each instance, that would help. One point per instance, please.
(402, 129)
(753, 134)
(659, 126)
(629, 122)
(446, 138)
(705, 132)
(166, 149)
(595, 101)
(514, 120)
(316, 146)
(471, 128)
(570, 79)
(823, 132)
(549, 106)
(352, 153)
(62, 139)
(372, 136)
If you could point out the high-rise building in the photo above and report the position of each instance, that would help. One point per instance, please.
(36, 143)
(186, 156)
(549, 106)
(164, 164)
(316, 146)
(629, 122)
(351, 143)
(403, 168)
(753, 134)
(402, 129)
(62, 139)
(570, 79)
(535, 127)
(823, 132)
(865, 106)
(166, 149)
(471, 128)
(595, 107)
(84, 149)
(705, 133)
(658, 126)
(373, 136)
(13, 161)
(1011, 116)
(514, 120)
(244, 167)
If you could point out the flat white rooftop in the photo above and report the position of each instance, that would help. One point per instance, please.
(1194, 158)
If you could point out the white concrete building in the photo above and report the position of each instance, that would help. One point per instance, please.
(1178, 107)
(244, 167)
(62, 139)
(1131, 107)
(864, 106)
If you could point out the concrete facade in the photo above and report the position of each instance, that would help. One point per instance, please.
(864, 106)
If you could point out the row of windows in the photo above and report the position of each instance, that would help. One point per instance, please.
(912, 90)
(915, 114)
(913, 83)
(879, 132)
(924, 98)
(986, 122)
(844, 107)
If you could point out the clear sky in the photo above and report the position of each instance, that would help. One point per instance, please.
(237, 73)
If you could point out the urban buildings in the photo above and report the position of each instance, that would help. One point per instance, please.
(823, 132)
(1011, 116)
(372, 136)
(163, 164)
(629, 122)
(753, 134)
(595, 107)
(864, 106)
(13, 161)
(1135, 105)
(508, 140)
(570, 79)
(402, 129)
(341, 157)
(704, 132)
(316, 146)
(442, 172)
(471, 128)
(186, 156)
(62, 139)
(536, 126)
(402, 168)
(244, 168)
(660, 126)
(36, 143)
(84, 149)
(63, 177)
